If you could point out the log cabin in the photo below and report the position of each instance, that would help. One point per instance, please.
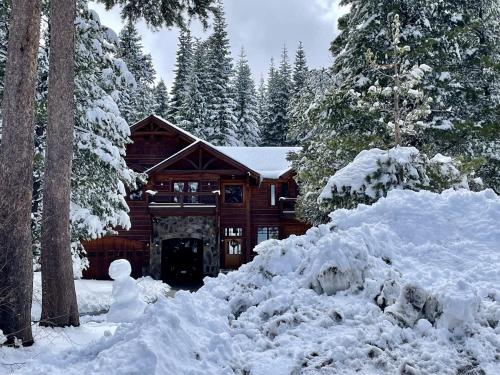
(203, 209)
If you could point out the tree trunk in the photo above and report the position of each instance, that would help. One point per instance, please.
(59, 306)
(16, 171)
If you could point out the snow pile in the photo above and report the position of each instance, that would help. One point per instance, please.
(127, 306)
(409, 285)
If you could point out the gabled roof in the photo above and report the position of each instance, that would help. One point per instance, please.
(165, 124)
(200, 144)
(259, 162)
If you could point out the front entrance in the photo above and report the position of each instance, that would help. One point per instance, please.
(182, 260)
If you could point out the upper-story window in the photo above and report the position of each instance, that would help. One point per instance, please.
(273, 195)
(233, 194)
(233, 232)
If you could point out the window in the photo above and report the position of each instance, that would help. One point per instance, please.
(186, 187)
(233, 194)
(233, 232)
(233, 247)
(267, 233)
(273, 195)
(284, 189)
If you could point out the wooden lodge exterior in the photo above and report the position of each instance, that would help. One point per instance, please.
(203, 209)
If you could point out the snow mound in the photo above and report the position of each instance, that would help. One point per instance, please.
(409, 285)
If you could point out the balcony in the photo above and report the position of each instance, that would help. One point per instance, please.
(287, 207)
(180, 203)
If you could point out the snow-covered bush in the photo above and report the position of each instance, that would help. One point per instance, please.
(373, 173)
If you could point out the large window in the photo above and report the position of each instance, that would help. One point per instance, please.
(267, 233)
(233, 194)
(187, 187)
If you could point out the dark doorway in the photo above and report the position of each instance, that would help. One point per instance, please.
(182, 260)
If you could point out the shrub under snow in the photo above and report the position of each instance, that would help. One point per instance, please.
(373, 173)
(409, 285)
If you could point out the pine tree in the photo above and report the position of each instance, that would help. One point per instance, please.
(279, 94)
(180, 89)
(262, 105)
(221, 121)
(246, 104)
(300, 70)
(140, 102)
(459, 39)
(195, 106)
(16, 171)
(161, 99)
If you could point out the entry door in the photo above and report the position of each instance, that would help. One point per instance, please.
(233, 253)
(182, 260)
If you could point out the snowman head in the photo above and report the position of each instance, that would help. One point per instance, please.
(120, 269)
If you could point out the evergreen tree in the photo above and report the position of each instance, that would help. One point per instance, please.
(180, 89)
(221, 121)
(300, 70)
(246, 104)
(195, 106)
(140, 102)
(459, 39)
(262, 108)
(279, 94)
(161, 99)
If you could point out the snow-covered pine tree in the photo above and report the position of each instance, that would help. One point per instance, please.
(221, 122)
(180, 88)
(195, 107)
(262, 108)
(246, 104)
(161, 99)
(300, 70)
(456, 39)
(279, 93)
(100, 173)
(140, 102)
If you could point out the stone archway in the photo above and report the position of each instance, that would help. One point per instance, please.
(197, 227)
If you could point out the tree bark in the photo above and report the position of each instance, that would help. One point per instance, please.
(16, 171)
(59, 305)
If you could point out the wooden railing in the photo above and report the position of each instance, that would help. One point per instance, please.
(185, 199)
(287, 207)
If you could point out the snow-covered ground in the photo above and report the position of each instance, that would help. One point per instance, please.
(94, 296)
(410, 285)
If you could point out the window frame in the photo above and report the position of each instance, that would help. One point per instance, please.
(268, 231)
(239, 204)
(273, 195)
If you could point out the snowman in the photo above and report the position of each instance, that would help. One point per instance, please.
(127, 305)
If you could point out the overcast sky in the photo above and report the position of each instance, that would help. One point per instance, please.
(261, 26)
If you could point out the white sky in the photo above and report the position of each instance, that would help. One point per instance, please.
(261, 26)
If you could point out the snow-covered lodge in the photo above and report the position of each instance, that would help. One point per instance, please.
(204, 208)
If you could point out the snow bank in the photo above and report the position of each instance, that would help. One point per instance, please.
(409, 285)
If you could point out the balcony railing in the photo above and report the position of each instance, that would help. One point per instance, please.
(287, 207)
(181, 199)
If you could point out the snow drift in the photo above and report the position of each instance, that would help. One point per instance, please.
(409, 285)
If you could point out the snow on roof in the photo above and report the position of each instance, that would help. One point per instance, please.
(269, 162)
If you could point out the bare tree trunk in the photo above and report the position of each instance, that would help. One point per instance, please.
(16, 170)
(397, 111)
(59, 305)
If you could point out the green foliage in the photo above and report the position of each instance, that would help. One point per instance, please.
(158, 13)
(161, 99)
(460, 40)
